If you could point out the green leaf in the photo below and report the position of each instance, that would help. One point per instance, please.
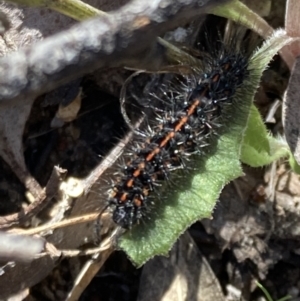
(237, 11)
(193, 195)
(259, 148)
(293, 163)
(186, 205)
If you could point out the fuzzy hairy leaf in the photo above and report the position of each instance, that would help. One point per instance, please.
(195, 199)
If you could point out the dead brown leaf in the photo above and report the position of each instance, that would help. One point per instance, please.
(184, 275)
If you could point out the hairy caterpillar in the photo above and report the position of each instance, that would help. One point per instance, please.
(184, 123)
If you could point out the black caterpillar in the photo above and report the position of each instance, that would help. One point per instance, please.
(183, 127)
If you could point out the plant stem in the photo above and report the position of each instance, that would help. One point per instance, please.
(75, 9)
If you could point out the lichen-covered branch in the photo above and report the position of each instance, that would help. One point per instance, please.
(124, 37)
